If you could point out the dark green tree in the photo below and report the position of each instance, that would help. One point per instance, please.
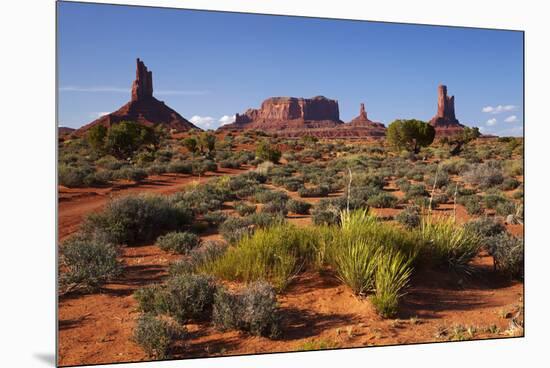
(410, 135)
(458, 141)
(127, 137)
(191, 144)
(96, 137)
(267, 152)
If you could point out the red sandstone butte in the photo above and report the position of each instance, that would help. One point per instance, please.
(143, 107)
(445, 121)
(295, 117)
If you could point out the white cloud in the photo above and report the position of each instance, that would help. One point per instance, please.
(491, 122)
(204, 122)
(226, 119)
(99, 114)
(511, 119)
(498, 109)
(128, 90)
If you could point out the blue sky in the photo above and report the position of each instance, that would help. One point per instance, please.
(209, 66)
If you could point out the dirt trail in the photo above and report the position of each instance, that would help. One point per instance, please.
(76, 203)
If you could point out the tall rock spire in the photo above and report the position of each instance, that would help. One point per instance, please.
(143, 108)
(363, 112)
(445, 104)
(142, 88)
(445, 121)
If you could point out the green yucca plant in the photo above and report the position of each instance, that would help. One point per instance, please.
(356, 265)
(393, 271)
(444, 242)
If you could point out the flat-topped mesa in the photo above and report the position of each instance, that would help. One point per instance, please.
(143, 108)
(279, 113)
(142, 88)
(295, 117)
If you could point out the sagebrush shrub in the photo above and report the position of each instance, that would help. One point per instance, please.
(383, 200)
(188, 297)
(318, 191)
(131, 219)
(409, 217)
(130, 174)
(254, 310)
(298, 207)
(507, 252)
(178, 242)
(215, 218)
(244, 209)
(155, 335)
(207, 252)
(88, 263)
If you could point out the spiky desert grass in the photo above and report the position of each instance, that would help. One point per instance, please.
(446, 243)
(393, 271)
(275, 254)
(360, 251)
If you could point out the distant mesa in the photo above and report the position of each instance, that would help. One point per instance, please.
(445, 121)
(143, 107)
(296, 116)
(62, 131)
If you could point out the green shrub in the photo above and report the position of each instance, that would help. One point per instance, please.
(275, 208)
(484, 176)
(75, 177)
(509, 184)
(230, 164)
(265, 196)
(88, 263)
(403, 184)
(244, 209)
(130, 174)
(254, 310)
(131, 219)
(417, 190)
(505, 208)
(178, 242)
(156, 169)
(180, 167)
(507, 252)
(298, 207)
(215, 218)
(207, 252)
(491, 200)
(155, 335)
(150, 298)
(485, 227)
(383, 200)
(409, 217)
(473, 205)
(267, 152)
(319, 191)
(235, 228)
(188, 297)
(393, 271)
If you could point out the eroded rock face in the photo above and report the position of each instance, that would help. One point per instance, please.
(295, 117)
(445, 121)
(143, 107)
